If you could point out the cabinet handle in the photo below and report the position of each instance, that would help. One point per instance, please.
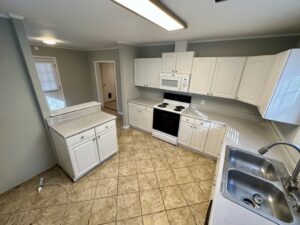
(98, 136)
(237, 98)
(94, 139)
(211, 94)
(207, 93)
(82, 137)
(106, 127)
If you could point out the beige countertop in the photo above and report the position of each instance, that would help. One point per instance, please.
(74, 126)
(145, 101)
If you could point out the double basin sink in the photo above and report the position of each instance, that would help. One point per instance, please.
(254, 182)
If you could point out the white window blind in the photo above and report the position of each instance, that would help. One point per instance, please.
(47, 76)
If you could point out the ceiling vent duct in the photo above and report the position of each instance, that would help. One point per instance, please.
(181, 46)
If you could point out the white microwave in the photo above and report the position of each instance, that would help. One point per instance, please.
(174, 82)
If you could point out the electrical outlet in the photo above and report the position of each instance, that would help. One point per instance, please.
(202, 102)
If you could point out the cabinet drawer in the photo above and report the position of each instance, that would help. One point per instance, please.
(105, 126)
(80, 137)
(201, 122)
(135, 105)
(187, 119)
(147, 109)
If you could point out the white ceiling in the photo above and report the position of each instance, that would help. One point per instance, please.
(95, 24)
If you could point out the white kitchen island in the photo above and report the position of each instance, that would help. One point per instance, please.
(83, 138)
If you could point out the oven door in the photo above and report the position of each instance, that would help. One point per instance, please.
(170, 82)
(166, 122)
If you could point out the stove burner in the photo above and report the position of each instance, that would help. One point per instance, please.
(162, 106)
(165, 103)
(179, 107)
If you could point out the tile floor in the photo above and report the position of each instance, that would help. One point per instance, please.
(149, 182)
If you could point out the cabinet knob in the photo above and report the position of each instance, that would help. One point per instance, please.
(94, 139)
(98, 136)
(207, 93)
(106, 127)
(237, 98)
(82, 137)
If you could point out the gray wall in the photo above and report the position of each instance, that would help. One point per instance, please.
(25, 148)
(154, 51)
(74, 70)
(298, 44)
(127, 53)
(103, 55)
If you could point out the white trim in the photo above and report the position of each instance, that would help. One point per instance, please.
(52, 58)
(33, 44)
(3, 15)
(97, 73)
(15, 16)
(104, 49)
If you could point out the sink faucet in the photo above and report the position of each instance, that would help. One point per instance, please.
(292, 181)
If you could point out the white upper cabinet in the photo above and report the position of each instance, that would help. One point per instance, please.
(168, 62)
(255, 74)
(282, 97)
(184, 61)
(177, 62)
(227, 76)
(147, 72)
(153, 73)
(202, 75)
(140, 71)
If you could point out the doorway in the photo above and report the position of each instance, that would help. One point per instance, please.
(49, 78)
(107, 84)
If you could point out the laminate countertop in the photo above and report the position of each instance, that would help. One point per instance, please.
(77, 125)
(145, 101)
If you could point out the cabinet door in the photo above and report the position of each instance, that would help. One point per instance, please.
(199, 136)
(140, 72)
(202, 75)
(134, 116)
(153, 73)
(184, 61)
(215, 139)
(146, 120)
(84, 157)
(107, 144)
(168, 62)
(185, 134)
(227, 76)
(256, 71)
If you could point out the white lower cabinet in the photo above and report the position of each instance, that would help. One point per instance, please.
(84, 156)
(80, 153)
(140, 116)
(200, 135)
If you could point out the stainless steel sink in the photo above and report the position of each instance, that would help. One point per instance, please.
(252, 164)
(258, 194)
(254, 182)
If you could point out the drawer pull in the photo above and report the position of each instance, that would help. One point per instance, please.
(106, 127)
(98, 136)
(82, 137)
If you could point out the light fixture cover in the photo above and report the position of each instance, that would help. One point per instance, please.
(49, 41)
(154, 11)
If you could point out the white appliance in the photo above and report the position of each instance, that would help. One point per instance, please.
(166, 116)
(174, 81)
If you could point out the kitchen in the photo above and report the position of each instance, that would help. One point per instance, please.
(161, 157)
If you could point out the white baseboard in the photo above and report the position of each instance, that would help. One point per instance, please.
(126, 126)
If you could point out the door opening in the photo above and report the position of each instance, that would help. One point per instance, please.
(106, 84)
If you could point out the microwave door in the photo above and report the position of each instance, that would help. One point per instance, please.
(170, 83)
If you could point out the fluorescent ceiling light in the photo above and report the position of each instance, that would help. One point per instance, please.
(49, 41)
(154, 11)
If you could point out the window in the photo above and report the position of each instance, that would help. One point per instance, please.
(50, 82)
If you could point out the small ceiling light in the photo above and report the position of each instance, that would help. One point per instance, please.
(49, 41)
(154, 11)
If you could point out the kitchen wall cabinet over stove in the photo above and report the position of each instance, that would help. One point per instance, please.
(177, 62)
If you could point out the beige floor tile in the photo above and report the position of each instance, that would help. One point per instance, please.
(172, 197)
(104, 211)
(131, 221)
(126, 156)
(147, 181)
(108, 171)
(210, 168)
(198, 211)
(199, 173)
(52, 215)
(142, 155)
(159, 218)
(12, 200)
(84, 190)
(151, 201)
(144, 166)
(128, 206)
(107, 187)
(176, 162)
(94, 174)
(165, 178)
(125, 140)
(181, 216)
(160, 164)
(156, 153)
(192, 193)
(128, 184)
(127, 168)
(78, 213)
(171, 153)
(125, 147)
(206, 186)
(193, 159)
(183, 175)
(4, 218)
(113, 223)
(22, 217)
